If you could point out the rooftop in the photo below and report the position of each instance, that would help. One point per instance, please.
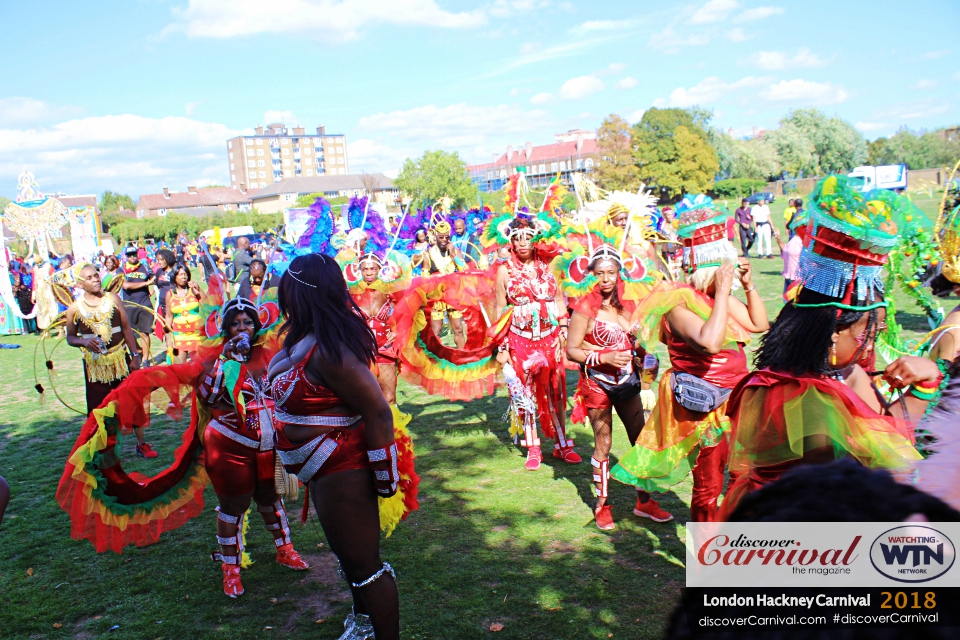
(194, 197)
(530, 154)
(324, 184)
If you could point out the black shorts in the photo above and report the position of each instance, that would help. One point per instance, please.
(140, 319)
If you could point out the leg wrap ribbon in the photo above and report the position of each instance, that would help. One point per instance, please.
(601, 475)
(281, 526)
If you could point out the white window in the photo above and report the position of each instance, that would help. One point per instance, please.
(259, 141)
(230, 146)
(161, 212)
(251, 152)
(579, 164)
(307, 150)
(553, 166)
(263, 184)
(232, 168)
(339, 149)
(286, 162)
(542, 168)
(589, 163)
(263, 174)
(261, 163)
(288, 196)
(339, 140)
(231, 155)
(286, 151)
(503, 174)
(233, 177)
(287, 173)
(342, 172)
(259, 152)
(309, 172)
(251, 163)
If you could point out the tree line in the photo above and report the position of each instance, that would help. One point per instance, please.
(677, 151)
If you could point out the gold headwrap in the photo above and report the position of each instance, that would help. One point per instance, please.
(616, 209)
(442, 227)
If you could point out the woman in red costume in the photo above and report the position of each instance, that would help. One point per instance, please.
(379, 284)
(704, 329)
(812, 398)
(533, 345)
(600, 342)
(335, 431)
(238, 442)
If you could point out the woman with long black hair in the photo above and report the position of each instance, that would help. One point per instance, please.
(335, 431)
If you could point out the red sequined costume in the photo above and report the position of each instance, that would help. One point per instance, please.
(532, 340)
(240, 459)
(381, 325)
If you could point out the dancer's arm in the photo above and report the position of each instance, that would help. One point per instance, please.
(708, 336)
(753, 315)
(128, 337)
(500, 287)
(73, 337)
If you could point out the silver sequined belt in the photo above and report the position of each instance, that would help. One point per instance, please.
(315, 421)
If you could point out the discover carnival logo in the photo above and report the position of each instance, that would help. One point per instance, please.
(912, 553)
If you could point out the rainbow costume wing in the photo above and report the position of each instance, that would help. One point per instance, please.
(457, 374)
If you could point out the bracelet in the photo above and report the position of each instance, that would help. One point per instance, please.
(391, 474)
(753, 288)
(592, 359)
(928, 391)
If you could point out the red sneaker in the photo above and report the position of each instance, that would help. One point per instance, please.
(567, 454)
(288, 557)
(146, 451)
(534, 458)
(231, 580)
(604, 517)
(650, 509)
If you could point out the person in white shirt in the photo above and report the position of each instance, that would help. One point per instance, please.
(761, 218)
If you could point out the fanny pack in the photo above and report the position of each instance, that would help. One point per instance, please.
(619, 392)
(696, 394)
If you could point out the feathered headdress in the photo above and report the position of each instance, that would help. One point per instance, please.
(554, 196)
(366, 222)
(320, 229)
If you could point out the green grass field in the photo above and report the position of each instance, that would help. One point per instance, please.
(492, 543)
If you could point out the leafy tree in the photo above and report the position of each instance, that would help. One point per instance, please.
(111, 202)
(917, 150)
(304, 202)
(437, 174)
(167, 227)
(3, 203)
(794, 149)
(836, 146)
(755, 159)
(616, 168)
(672, 151)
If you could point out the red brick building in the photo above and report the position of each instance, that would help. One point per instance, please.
(571, 152)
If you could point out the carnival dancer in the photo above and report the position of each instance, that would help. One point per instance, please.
(534, 335)
(812, 398)
(182, 305)
(375, 292)
(97, 324)
(704, 329)
(443, 259)
(336, 431)
(601, 343)
(238, 442)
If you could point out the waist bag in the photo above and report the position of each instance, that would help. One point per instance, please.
(696, 394)
(625, 390)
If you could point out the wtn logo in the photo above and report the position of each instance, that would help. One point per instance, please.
(913, 553)
(899, 554)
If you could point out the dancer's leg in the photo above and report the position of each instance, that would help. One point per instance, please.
(387, 378)
(346, 504)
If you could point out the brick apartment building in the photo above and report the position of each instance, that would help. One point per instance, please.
(278, 152)
(571, 152)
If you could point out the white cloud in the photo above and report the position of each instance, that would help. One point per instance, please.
(19, 111)
(758, 13)
(190, 107)
(581, 87)
(636, 116)
(325, 20)
(286, 117)
(925, 84)
(804, 92)
(707, 91)
(516, 91)
(507, 8)
(933, 55)
(372, 156)
(916, 109)
(626, 83)
(129, 153)
(606, 25)
(541, 98)
(529, 47)
(714, 11)
(615, 67)
(669, 41)
(872, 126)
(737, 35)
(568, 7)
(776, 60)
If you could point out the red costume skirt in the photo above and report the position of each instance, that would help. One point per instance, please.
(536, 364)
(233, 459)
(336, 450)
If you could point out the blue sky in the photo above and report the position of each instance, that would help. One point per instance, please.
(135, 95)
